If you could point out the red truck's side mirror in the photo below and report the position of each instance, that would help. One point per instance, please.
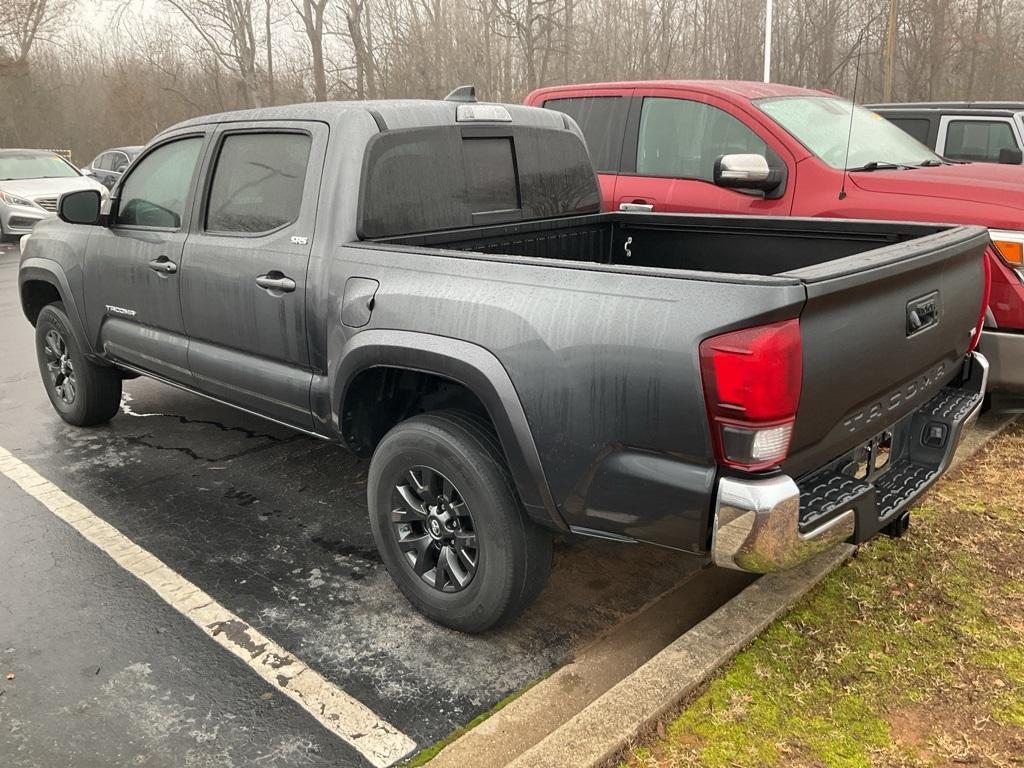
(746, 172)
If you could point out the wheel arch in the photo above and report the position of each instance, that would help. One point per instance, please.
(42, 281)
(464, 365)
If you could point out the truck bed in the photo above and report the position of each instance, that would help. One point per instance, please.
(853, 285)
(712, 244)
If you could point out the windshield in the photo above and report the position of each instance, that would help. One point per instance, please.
(32, 166)
(822, 123)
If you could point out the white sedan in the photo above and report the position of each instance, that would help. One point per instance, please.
(31, 183)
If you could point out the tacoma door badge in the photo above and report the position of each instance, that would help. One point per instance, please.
(922, 313)
(120, 311)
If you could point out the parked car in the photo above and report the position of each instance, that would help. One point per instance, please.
(975, 131)
(769, 149)
(31, 181)
(432, 285)
(108, 166)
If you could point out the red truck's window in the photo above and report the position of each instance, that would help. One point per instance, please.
(603, 122)
(682, 139)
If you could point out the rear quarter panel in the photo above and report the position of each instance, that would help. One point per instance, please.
(604, 362)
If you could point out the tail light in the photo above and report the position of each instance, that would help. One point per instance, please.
(751, 383)
(986, 295)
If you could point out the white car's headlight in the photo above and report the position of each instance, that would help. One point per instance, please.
(10, 199)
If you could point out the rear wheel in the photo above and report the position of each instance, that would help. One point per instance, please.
(82, 392)
(448, 524)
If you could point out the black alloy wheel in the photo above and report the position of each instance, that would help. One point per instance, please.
(448, 523)
(434, 529)
(60, 367)
(82, 391)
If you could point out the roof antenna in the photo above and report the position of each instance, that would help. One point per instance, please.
(849, 133)
(464, 93)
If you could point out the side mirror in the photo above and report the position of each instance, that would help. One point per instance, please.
(80, 207)
(121, 168)
(746, 172)
(1011, 156)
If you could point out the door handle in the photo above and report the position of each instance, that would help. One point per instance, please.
(163, 265)
(648, 207)
(275, 281)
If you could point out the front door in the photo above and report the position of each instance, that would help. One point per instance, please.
(976, 139)
(244, 279)
(673, 141)
(133, 267)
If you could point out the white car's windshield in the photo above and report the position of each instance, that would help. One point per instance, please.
(15, 166)
(822, 124)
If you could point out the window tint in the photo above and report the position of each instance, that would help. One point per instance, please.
(102, 162)
(682, 139)
(118, 162)
(428, 179)
(978, 139)
(490, 174)
(257, 184)
(603, 122)
(915, 126)
(154, 194)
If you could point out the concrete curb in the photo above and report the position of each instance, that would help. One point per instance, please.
(602, 730)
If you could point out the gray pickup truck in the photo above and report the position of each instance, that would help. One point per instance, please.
(433, 285)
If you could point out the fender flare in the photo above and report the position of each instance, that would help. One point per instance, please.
(475, 368)
(38, 269)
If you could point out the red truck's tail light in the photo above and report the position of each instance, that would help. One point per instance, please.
(751, 383)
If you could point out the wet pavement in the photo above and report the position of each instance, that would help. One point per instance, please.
(273, 525)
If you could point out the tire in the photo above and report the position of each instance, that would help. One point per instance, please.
(448, 467)
(83, 393)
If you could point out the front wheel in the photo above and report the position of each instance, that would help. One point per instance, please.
(449, 526)
(82, 392)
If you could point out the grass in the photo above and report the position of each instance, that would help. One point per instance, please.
(424, 756)
(911, 654)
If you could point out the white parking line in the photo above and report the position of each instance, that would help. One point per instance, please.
(377, 740)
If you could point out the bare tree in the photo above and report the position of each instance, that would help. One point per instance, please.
(227, 31)
(312, 14)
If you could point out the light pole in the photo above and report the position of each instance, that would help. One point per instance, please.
(768, 41)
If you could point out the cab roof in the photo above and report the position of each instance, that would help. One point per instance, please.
(1011, 106)
(743, 89)
(388, 113)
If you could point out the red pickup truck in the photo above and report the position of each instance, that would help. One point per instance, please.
(757, 148)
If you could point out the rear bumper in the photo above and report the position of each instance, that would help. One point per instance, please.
(771, 524)
(1005, 353)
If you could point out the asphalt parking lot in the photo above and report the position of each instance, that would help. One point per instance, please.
(271, 524)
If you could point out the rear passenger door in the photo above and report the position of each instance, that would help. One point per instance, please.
(673, 139)
(243, 291)
(601, 115)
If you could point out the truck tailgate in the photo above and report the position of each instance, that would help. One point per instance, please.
(882, 332)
